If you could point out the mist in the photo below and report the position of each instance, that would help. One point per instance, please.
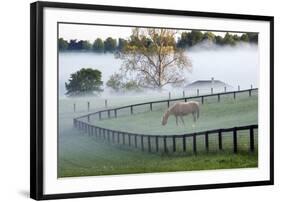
(234, 65)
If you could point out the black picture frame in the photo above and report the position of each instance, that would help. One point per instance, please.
(36, 99)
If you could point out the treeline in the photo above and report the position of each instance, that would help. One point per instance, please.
(108, 45)
(186, 40)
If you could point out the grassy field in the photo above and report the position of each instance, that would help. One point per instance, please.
(81, 155)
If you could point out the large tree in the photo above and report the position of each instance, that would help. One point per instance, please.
(98, 45)
(110, 44)
(152, 58)
(84, 82)
(62, 44)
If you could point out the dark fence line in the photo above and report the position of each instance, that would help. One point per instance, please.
(144, 141)
(131, 107)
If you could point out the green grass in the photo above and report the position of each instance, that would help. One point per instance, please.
(81, 155)
(228, 113)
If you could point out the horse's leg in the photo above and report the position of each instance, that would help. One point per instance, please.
(194, 117)
(182, 120)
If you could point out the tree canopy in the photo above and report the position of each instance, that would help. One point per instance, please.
(86, 81)
(186, 40)
(98, 45)
(152, 57)
(110, 45)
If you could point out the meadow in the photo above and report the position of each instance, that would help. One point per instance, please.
(81, 155)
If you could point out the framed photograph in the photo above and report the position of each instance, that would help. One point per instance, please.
(131, 100)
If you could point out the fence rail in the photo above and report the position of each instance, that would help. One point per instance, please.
(144, 141)
(157, 143)
(168, 101)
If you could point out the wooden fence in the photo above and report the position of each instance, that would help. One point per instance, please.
(164, 143)
(113, 112)
(168, 101)
(159, 143)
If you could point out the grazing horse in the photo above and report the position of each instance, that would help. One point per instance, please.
(181, 109)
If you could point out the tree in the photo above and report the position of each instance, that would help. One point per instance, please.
(253, 37)
(115, 82)
(86, 45)
(62, 44)
(228, 39)
(196, 37)
(185, 40)
(109, 45)
(219, 40)
(209, 36)
(121, 44)
(98, 45)
(84, 82)
(151, 56)
(244, 38)
(119, 83)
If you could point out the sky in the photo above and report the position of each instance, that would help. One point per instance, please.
(91, 32)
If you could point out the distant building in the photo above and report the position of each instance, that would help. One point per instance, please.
(206, 85)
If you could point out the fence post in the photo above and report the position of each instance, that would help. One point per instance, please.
(108, 135)
(112, 137)
(88, 118)
(250, 92)
(169, 95)
(194, 143)
(96, 132)
(74, 123)
(123, 138)
(197, 92)
(202, 99)
(105, 103)
(219, 98)
(118, 138)
(131, 109)
(183, 143)
(212, 90)
(142, 148)
(149, 143)
(174, 144)
(235, 140)
(103, 132)
(165, 144)
(234, 95)
(252, 145)
(183, 94)
(136, 142)
(74, 107)
(88, 130)
(185, 99)
(251, 86)
(156, 143)
(207, 141)
(115, 113)
(129, 137)
(88, 106)
(225, 89)
(150, 106)
(92, 130)
(168, 103)
(220, 140)
(238, 87)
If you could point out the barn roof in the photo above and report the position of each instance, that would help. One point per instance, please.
(207, 83)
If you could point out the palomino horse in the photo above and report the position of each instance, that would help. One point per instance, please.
(181, 109)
